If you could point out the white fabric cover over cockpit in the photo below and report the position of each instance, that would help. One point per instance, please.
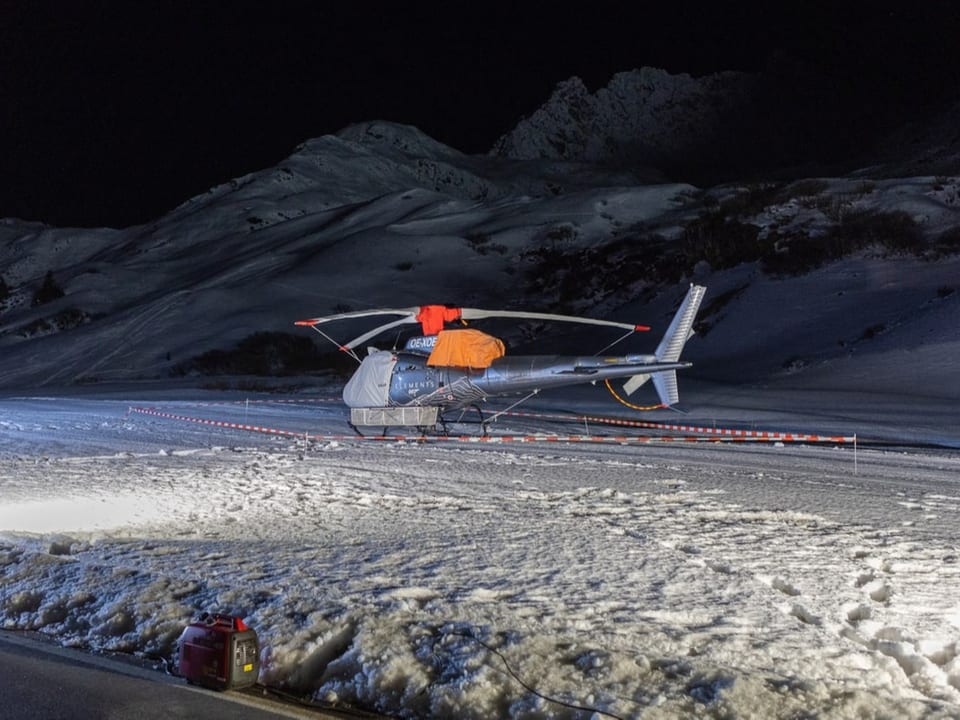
(370, 384)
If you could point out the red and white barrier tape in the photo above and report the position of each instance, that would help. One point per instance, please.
(260, 401)
(727, 436)
(768, 435)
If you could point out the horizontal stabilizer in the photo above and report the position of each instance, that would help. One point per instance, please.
(635, 383)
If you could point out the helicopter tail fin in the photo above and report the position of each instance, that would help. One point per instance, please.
(670, 347)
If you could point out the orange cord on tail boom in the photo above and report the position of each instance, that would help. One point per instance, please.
(629, 404)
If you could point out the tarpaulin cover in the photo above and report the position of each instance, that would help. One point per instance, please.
(465, 348)
(370, 384)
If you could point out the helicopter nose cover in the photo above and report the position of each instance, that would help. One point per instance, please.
(370, 384)
(432, 317)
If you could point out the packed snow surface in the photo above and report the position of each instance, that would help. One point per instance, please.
(476, 581)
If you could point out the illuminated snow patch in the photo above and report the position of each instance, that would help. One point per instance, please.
(80, 513)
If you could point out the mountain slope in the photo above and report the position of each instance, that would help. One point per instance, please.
(804, 278)
(355, 219)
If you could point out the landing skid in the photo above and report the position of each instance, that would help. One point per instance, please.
(482, 421)
(424, 431)
(442, 426)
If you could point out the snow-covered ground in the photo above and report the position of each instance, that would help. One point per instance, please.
(431, 580)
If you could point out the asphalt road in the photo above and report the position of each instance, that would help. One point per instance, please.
(39, 681)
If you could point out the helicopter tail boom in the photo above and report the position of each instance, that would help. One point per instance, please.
(676, 336)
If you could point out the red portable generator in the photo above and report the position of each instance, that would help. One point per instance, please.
(219, 652)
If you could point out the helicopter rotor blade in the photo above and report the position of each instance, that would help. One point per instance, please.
(409, 316)
(357, 314)
(477, 314)
(377, 330)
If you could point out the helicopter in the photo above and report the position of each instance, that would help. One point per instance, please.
(448, 369)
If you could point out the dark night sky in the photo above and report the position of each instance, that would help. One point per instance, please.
(114, 112)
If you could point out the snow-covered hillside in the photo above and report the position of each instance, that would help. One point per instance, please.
(381, 215)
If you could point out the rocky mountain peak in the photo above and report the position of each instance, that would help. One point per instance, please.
(645, 116)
